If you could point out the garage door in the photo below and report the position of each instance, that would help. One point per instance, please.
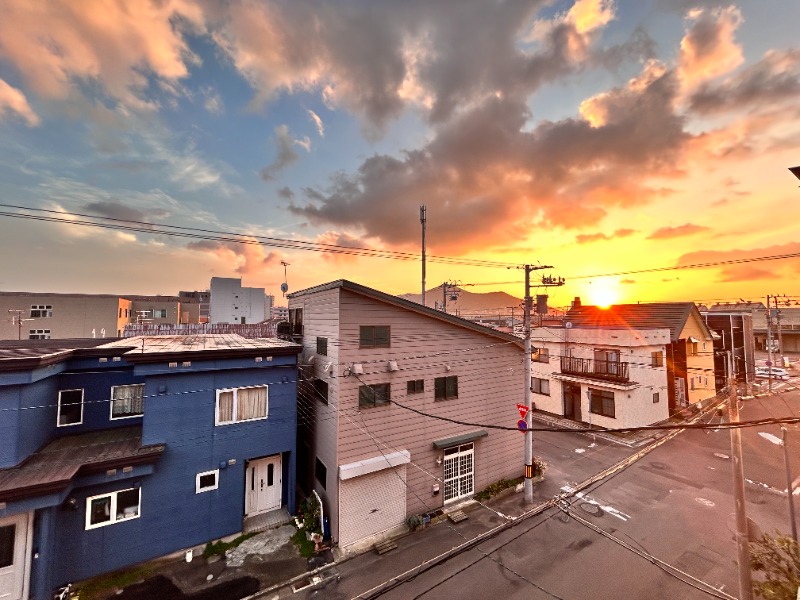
(371, 504)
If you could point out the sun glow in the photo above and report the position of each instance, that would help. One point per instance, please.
(603, 294)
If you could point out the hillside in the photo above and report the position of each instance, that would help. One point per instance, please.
(468, 301)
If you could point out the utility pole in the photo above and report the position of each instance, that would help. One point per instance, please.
(743, 549)
(423, 214)
(16, 319)
(528, 482)
(780, 335)
(789, 487)
(769, 346)
(447, 287)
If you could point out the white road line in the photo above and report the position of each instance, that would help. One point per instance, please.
(609, 509)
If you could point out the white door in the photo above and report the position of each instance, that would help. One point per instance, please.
(13, 534)
(459, 473)
(263, 485)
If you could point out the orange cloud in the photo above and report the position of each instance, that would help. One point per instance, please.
(13, 101)
(247, 259)
(587, 238)
(782, 266)
(709, 48)
(53, 44)
(668, 233)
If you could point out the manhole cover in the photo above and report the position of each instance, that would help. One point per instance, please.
(704, 502)
(721, 455)
(591, 509)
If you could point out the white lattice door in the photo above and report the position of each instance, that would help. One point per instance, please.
(459, 472)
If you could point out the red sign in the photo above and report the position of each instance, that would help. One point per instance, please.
(523, 410)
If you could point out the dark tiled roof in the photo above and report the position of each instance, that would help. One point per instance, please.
(40, 348)
(656, 315)
(407, 305)
(53, 467)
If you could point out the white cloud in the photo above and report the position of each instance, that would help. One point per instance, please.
(13, 101)
(318, 122)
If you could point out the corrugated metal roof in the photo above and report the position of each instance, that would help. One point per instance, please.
(408, 305)
(656, 315)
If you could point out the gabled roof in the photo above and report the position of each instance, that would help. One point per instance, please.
(406, 305)
(656, 315)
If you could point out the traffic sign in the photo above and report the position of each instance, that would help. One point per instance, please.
(522, 425)
(523, 410)
(768, 363)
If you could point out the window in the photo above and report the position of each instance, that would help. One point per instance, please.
(417, 386)
(656, 398)
(606, 362)
(41, 310)
(242, 404)
(692, 347)
(374, 336)
(540, 386)
(320, 473)
(160, 313)
(296, 321)
(322, 346)
(120, 313)
(541, 355)
(602, 403)
(70, 407)
(127, 401)
(321, 390)
(657, 359)
(39, 334)
(8, 534)
(370, 396)
(106, 509)
(205, 482)
(445, 388)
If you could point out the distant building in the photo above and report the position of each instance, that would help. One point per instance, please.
(203, 299)
(232, 303)
(280, 313)
(734, 334)
(43, 316)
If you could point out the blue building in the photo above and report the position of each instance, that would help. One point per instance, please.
(115, 453)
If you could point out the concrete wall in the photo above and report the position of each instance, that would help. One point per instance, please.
(74, 315)
(232, 303)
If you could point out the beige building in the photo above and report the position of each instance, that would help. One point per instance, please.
(28, 315)
(397, 408)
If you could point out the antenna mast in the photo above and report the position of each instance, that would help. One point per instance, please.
(423, 211)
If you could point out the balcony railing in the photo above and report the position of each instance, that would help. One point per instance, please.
(597, 369)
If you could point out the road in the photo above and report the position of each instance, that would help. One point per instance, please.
(674, 505)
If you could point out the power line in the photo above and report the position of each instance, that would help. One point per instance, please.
(231, 237)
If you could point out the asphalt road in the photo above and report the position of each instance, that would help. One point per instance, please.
(674, 505)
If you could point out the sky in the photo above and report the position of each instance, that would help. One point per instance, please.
(602, 138)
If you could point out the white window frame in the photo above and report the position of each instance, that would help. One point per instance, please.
(43, 311)
(39, 334)
(58, 414)
(198, 489)
(542, 384)
(112, 518)
(111, 416)
(235, 391)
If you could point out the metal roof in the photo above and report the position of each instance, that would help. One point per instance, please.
(53, 467)
(407, 305)
(655, 315)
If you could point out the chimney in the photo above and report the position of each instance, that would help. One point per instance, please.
(577, 302)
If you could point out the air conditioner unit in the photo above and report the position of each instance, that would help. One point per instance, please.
(358, 368)
(392, 366)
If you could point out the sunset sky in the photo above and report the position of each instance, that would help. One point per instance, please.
(595, 136)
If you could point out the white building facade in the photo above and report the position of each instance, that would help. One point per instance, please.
(232, 303)
(612, 378)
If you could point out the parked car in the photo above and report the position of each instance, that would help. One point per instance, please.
(777, 372)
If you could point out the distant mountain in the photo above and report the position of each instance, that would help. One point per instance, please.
(468, 301)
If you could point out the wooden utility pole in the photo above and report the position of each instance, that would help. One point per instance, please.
(742, 545)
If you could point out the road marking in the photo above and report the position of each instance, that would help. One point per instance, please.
(766, 487)
(721, 455)
(774, 439)
(705, 502)
(580, 450)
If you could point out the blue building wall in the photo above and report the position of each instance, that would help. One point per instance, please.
(180, 411)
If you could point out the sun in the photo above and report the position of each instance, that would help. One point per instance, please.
(603, 294)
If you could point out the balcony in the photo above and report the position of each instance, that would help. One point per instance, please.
(609, 370)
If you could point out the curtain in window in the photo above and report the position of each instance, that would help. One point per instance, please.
(251, 403)
(128, 400)
(225, 407)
